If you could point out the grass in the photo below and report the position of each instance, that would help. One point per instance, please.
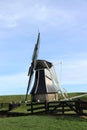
(17, 98)
(43, 123)
(12, 98)
(78, 94)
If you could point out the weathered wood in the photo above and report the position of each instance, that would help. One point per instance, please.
(58, 106)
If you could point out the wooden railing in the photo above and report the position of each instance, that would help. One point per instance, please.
(59, 107)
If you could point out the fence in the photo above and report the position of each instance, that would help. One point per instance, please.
(59, 107)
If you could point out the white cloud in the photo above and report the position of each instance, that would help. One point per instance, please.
(13, 84)
(74, 72)
(40, 13)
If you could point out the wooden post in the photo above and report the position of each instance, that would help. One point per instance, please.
(78, 104)
(46, 106)
(63, 108)
(31, 108)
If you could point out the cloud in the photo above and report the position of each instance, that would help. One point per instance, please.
(13, 84)
(26, 13)
(74, 72)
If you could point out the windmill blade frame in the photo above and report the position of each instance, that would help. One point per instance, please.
(29, 83)
(33, 64)
(36, 50)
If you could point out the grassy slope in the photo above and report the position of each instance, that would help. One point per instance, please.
(43, 123)
(12, 98)
(17, 98)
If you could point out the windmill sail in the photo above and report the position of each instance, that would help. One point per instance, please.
(36, 49)
(33, 64)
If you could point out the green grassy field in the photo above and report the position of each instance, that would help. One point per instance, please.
(39, 122)
(17, 98)
(12, 98)
(43, 123)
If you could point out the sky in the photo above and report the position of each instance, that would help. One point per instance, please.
(63, 30)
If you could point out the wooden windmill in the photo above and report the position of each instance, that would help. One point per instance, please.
(43, 88)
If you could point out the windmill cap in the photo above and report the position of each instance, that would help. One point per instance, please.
(41, 64)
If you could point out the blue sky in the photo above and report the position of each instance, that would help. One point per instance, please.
(63, 28)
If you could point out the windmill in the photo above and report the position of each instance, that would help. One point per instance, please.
(46, 86)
